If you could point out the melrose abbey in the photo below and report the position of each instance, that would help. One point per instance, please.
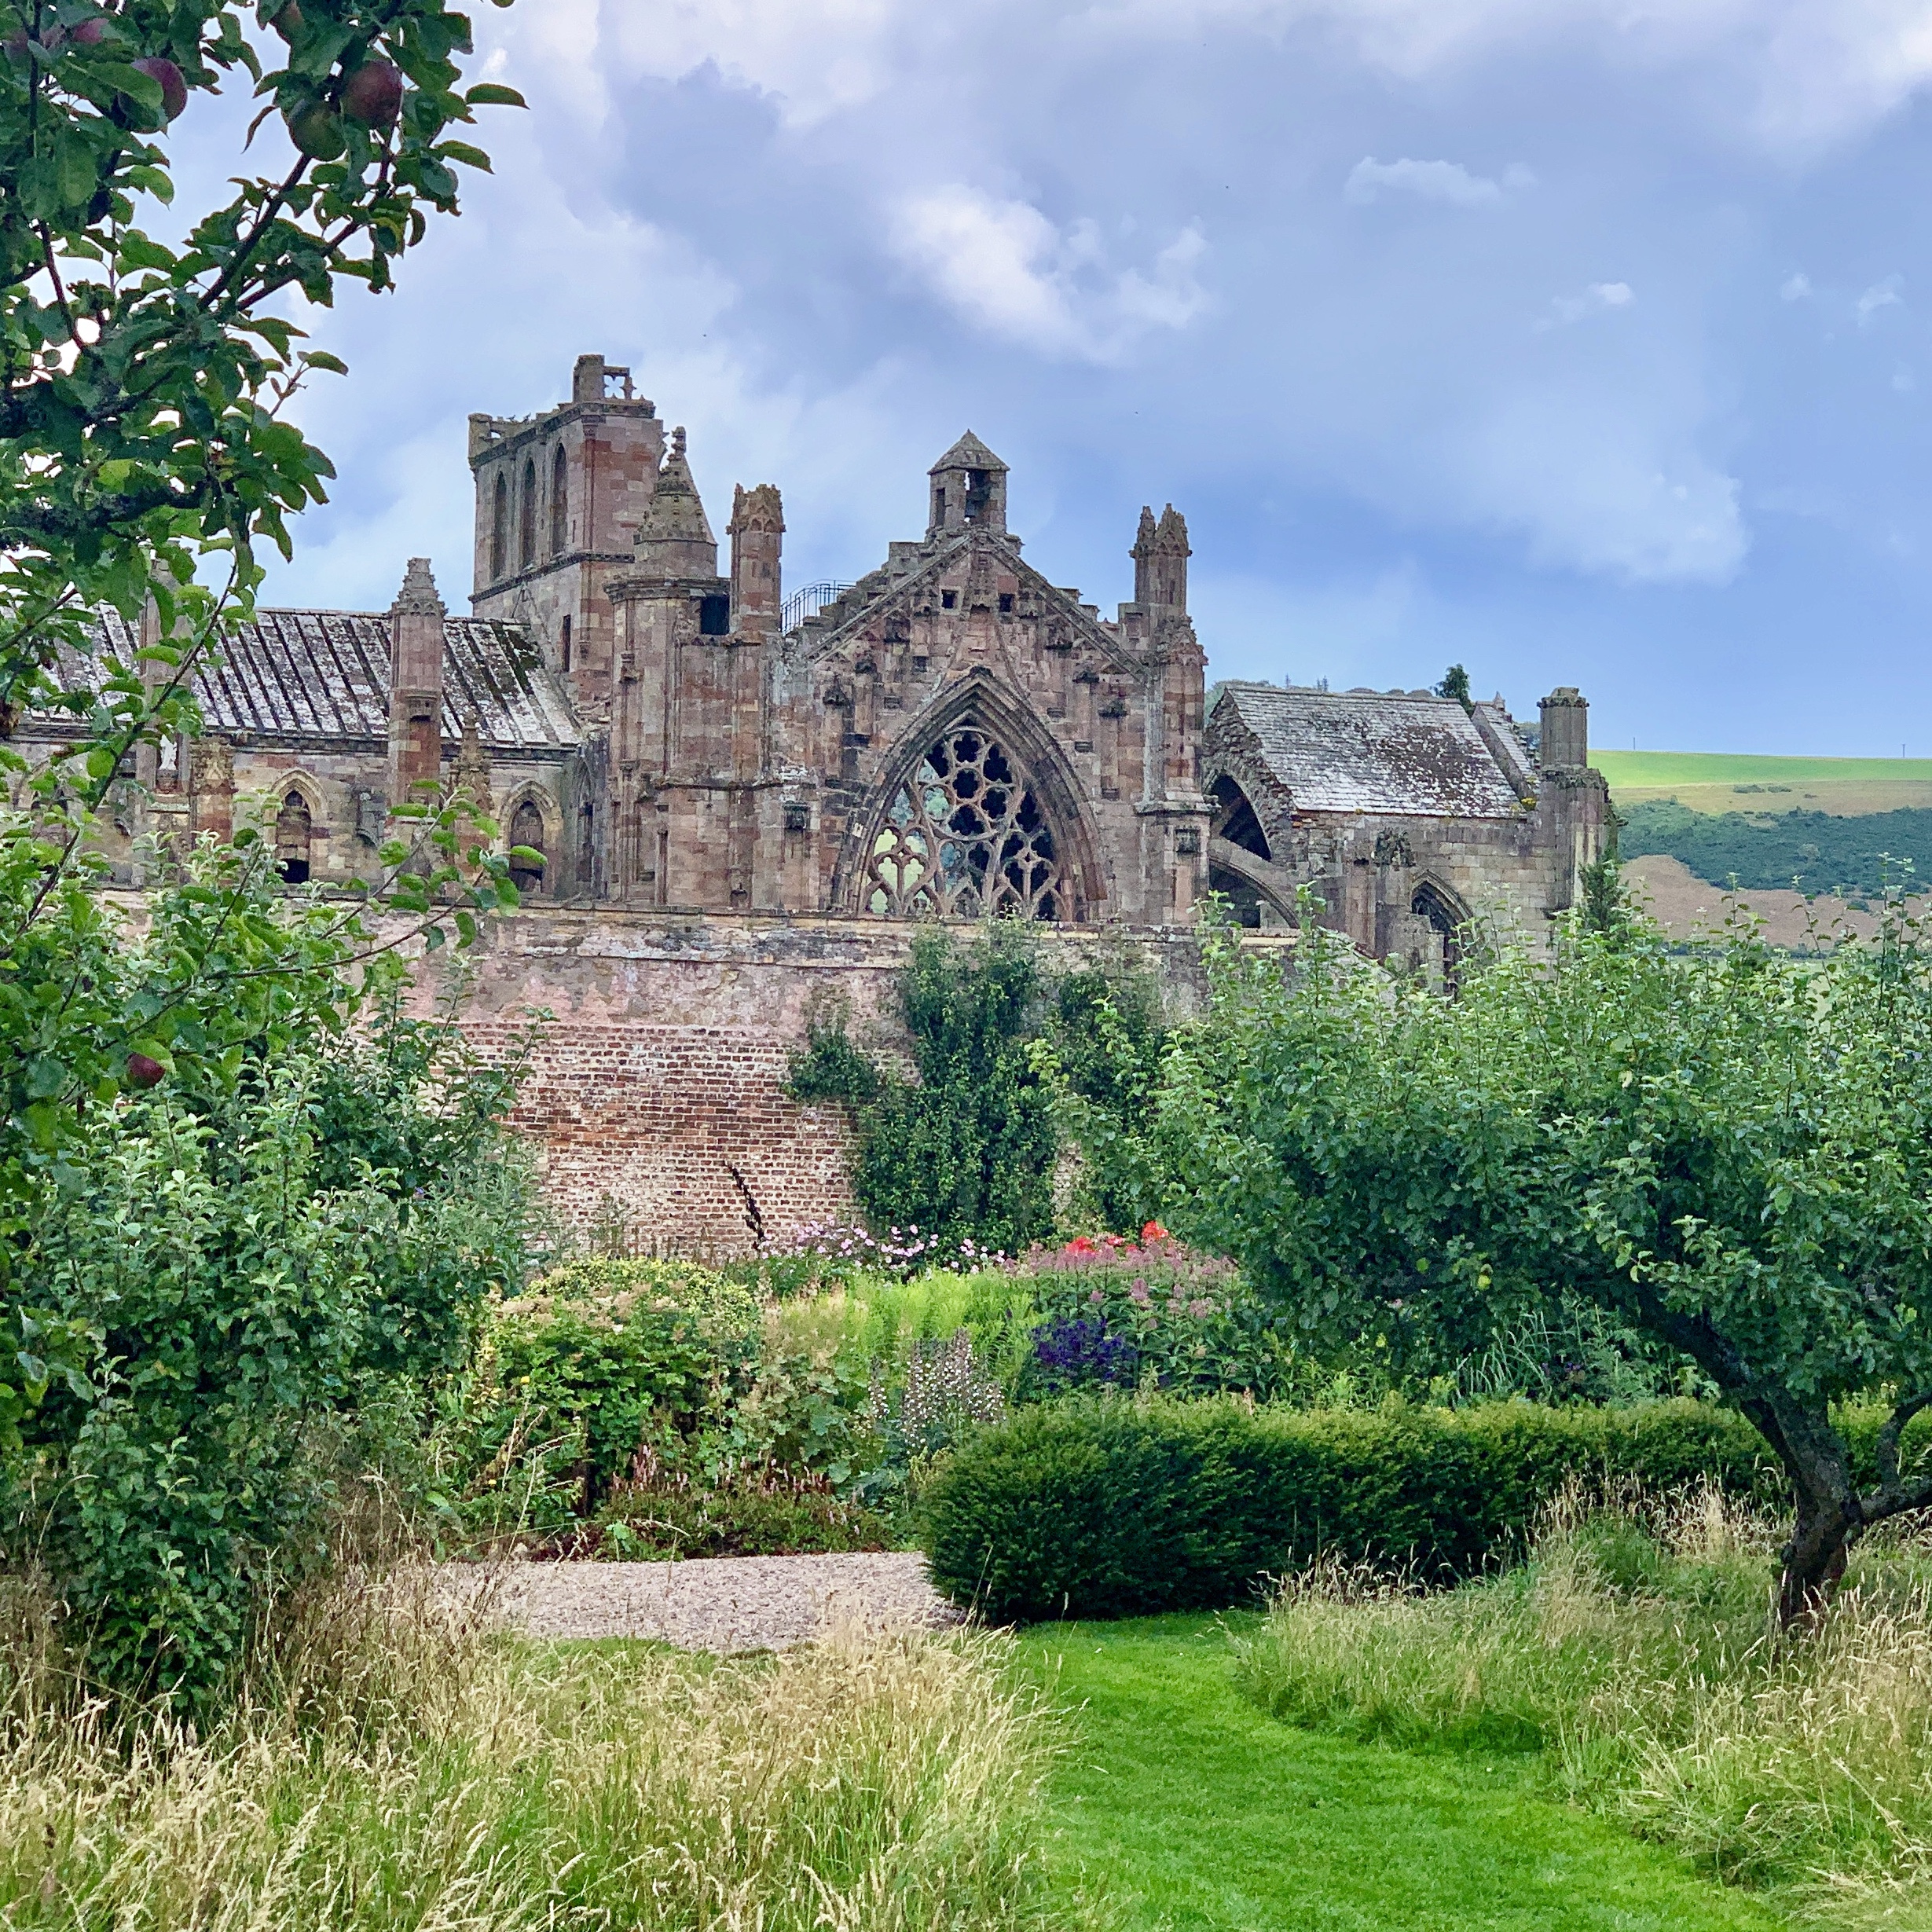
(744, 800)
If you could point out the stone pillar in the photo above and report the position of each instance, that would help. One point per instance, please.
(416, 687)
(473, 777)
(211, 796)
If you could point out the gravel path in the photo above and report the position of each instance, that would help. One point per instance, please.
(725, 1604)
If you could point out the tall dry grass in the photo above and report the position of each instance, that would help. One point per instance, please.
(390, 1764)
(1636, 1652)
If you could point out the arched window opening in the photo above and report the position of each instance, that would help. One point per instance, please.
(586, 846)
(527, 829)
(559, 502)
(1434, 904)
(526, 524)
(294, 828)
(1234, 818)
(563, 650)
(1242, 897)
(965, 836)
(500, 528)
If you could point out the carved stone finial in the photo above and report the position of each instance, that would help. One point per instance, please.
(473, 764)
(418, 596)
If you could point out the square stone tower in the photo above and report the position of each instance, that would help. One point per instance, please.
(558, 499)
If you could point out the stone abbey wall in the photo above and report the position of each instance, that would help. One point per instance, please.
(656, 1093)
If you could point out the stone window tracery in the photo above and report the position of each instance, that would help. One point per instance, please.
(966, 836)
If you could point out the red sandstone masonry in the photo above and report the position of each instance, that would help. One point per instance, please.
(683, 1132)
(662, 1069)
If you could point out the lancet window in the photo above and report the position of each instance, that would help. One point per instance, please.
(966, 836)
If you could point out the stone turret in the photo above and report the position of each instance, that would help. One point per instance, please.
(415, 686)
(1564, 745)
(675, 540)
(757, 534)
(1160, 552)
(969, 489)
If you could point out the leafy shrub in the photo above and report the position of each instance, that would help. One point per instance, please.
(604, 1359)
(1104, 1507)
(241, 1286)
(761, 1510)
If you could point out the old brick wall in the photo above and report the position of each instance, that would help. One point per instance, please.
(656, 1093)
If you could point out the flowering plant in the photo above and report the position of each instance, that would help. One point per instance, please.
(1122, 1312)
(820, 1254)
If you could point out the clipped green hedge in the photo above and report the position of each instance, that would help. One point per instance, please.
(1119, 1508)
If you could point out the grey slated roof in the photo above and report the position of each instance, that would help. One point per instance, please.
(1373, 751)
(303, 675)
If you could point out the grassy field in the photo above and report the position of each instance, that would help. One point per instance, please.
(1718, 782)
(1185, 1808)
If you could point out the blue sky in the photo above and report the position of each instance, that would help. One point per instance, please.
(1581, 341)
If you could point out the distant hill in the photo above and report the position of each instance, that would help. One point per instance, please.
(1719, 781)
(1813, 851)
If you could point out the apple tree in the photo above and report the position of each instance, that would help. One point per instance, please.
(1728, 1146)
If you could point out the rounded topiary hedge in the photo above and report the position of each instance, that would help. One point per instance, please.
(1122, 1508)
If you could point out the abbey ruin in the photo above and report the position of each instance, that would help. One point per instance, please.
(730, 798)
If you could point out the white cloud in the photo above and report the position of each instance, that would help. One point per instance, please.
(1003, 266)
(1430, 180)
(1884, 295)
(1795, 75)
(1794, 288)
(1593, 301)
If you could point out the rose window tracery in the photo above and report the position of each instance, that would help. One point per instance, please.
(965, 836)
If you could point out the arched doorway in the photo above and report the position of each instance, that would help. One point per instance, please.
(967, 835)
(294, 829)
(526, 829)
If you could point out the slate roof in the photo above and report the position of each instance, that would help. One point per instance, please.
(321, 677)
(1395, 752)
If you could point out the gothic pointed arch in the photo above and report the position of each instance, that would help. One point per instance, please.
(1235, 818)
(1443, 909)
(976, 815)
(298, 804)
(531, 821)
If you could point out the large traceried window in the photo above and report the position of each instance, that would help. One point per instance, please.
(966, 836)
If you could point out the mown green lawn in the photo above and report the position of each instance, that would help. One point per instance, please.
(1195, 1812)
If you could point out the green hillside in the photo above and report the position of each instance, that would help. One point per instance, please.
(1719, 781)
(1816, 851)
(1658, 770)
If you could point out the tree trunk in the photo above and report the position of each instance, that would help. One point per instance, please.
(1814, 1561)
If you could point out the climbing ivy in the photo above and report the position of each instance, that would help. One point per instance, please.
(1009, 1062)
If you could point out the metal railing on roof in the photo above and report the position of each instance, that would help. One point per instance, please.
(808, 603)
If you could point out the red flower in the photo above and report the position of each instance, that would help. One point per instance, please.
(1079, 1245)
(1153, 1231)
